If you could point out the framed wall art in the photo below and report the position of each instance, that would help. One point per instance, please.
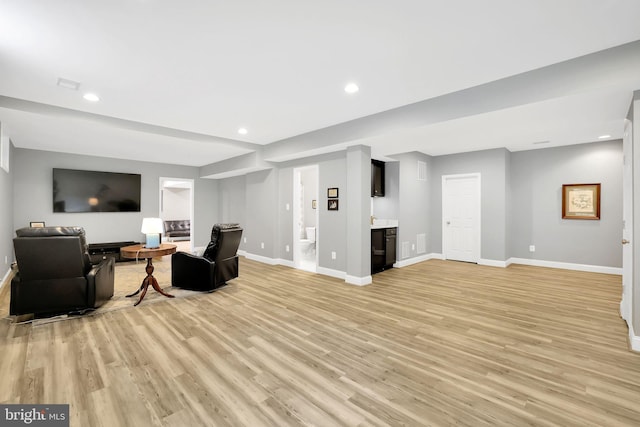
(332, 193)
(332, 204)
(581, 201)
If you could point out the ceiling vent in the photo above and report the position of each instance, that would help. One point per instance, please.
(68, 84)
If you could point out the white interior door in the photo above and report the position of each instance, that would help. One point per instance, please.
(627, 227)
(461, 217)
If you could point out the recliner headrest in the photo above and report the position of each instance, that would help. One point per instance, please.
(49, 231)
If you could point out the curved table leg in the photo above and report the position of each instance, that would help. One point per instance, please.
(149, 280)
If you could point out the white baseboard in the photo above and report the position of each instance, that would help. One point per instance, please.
(634, 340)
(332, 273)
(260, 258)
(285, 262)
(566, 266)
(415, 260)
(493, 263)
(5, 277)
(358, 281)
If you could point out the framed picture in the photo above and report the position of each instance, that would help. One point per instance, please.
(36, 224)
(332, 204)
(332, 193)
(581, 201)
(314, 205)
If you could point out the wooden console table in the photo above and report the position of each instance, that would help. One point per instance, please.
(139, 251)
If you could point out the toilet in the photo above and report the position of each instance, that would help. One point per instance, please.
(309, 244)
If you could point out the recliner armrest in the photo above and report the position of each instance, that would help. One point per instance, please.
(100, 282)
(191, 272)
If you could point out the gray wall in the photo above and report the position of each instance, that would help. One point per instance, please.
(175, 204)
(264, 196)
(6, 215)
(32, 199)
(537, 202)
(232, 202)
(261, 219)
(414, 204)
(491, 164)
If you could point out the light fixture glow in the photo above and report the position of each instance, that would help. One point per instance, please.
(91, 97)
(351, 88)
(604, 136)
(243, 131)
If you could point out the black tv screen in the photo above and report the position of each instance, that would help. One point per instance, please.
(92, 191)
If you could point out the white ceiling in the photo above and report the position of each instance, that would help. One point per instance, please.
(177, 79)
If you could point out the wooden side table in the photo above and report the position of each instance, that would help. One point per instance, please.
(139, 251)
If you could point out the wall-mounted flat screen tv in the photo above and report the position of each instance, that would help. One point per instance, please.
(93, 191)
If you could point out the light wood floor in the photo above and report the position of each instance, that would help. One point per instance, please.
(435, 344)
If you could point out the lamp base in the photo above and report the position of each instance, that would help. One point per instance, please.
(153, 241)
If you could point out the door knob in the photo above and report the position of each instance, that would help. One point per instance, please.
(625, 241)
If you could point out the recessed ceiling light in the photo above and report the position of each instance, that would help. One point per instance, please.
(351, 88)
(91, 97)
(604, 136)
(243, 131)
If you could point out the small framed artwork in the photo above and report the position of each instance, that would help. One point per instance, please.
(332, 204)
(332, 193)
(36, 224)
(581, 201)
(314, 204)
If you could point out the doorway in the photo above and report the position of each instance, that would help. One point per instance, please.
(176, 204)
(305, 218)
(461, 217)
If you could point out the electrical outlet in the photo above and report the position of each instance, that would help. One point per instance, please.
(262, 245)
(532, 248)
(286, 248)
(333, 255)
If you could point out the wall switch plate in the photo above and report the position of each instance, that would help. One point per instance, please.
(286, 248)
(287, 207)
(262, 245)
(333, 255)
(245, 240)
(532, 248)
(6, 260)
(413, 246)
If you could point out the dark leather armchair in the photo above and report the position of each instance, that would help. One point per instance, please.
(55, 274)
(215, 267)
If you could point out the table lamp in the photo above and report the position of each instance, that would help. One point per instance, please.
(152, 227)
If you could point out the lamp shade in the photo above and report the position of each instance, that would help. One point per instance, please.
(152, 226)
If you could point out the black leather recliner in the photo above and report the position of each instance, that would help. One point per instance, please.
(217, 265)
(55, 274)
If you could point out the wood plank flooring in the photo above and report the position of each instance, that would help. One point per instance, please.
(439, 343)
